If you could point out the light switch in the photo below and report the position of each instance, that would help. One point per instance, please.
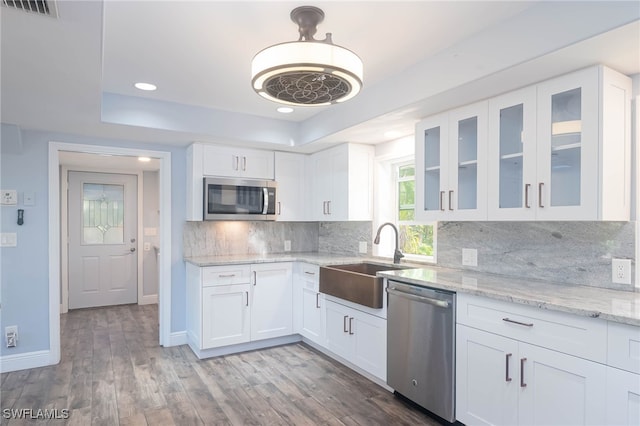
(147, 246)
(469, 257)
(8, 239)
(9, 197)
(29, 198)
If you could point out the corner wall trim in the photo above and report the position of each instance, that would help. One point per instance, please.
(25, 360)
(178, 338)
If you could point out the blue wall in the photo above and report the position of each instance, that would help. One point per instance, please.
(24, 289)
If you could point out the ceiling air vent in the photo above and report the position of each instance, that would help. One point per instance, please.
(42, 7)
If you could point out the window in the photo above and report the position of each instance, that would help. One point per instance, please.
(415, 239)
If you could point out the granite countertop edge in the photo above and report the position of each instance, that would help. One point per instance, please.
(612, 305)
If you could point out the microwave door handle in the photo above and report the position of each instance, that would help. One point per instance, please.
(265, 207)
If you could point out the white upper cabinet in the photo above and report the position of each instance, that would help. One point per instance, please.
(238, 162)
(342, 183)
(451, 180)
(211, 160)
(290, 176)
(560, 150)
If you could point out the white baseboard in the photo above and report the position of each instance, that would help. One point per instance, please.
(25, 361)
(177, 338)
(148, 299)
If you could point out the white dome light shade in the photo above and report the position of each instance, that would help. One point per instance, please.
(307, 72)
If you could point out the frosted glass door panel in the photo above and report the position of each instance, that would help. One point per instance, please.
(566, 136)
(511, 156)
(433, 169)
(468, 163)
(102, 214)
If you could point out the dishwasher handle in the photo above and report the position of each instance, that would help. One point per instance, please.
(435, 302)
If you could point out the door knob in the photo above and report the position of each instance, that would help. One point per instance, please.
(132, 249)
(133, 240)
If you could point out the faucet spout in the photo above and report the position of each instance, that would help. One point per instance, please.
(397, 254)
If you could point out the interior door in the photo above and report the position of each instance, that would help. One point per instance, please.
(103, 265)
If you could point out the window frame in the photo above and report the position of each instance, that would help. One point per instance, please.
(396, 166)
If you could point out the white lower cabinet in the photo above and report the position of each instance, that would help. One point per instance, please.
(226, 316)
(623, 397)
(358, 337)
(503, 379)
(235, 304)
(271, 300)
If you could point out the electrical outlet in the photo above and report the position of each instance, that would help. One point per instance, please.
(621, 271)
(362, 247)
(287, 245)
(469, 257)
(11, 336)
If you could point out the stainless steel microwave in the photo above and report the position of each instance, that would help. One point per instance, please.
(239, 199)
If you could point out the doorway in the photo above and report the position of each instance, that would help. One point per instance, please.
(102, 223)
(55, 235)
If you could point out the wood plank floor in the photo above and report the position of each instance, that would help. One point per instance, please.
(113, 372)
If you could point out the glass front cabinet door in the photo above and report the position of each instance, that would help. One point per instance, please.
(512, 156)
(451, 165)
(559, 150)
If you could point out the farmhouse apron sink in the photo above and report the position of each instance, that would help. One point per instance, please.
(356, 282)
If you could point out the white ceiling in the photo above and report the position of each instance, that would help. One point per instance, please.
(75, 74)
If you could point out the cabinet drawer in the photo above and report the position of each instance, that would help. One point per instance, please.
(310, 275)
(226, 275)
(623, 347)
(571, 334)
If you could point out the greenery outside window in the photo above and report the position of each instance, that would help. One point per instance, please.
(416, 239)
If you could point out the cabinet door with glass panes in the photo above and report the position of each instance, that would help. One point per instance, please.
(512, 156)
(451, 165)
(568, 141)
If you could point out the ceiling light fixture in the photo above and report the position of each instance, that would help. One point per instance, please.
(145, 86)
(307, 72)
(144, 159)
(285, 110)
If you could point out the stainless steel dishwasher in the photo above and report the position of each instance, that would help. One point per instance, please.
(421, 346)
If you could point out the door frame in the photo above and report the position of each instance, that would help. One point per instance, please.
(64, 230)
(164, 284)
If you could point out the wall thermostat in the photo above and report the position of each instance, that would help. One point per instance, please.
(9, 197)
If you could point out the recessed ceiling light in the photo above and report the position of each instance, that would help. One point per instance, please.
(144, 159)
(285, 110)
(145, 86)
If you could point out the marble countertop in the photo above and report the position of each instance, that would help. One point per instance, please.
(613, 305)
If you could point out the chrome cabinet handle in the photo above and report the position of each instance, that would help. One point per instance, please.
(506, 368)
(450, 194)
(350, 325)
(226, 275)
(309, 273)
(441, 203)
(244, 164)
(247, 298)
(237, 162)
(255, 278)
(540, 185)
(526, 324)
(527, 186)
(318, 300)
(324, 207)
(344, 323)
(522, 383)
(279, 208)
(329, 207)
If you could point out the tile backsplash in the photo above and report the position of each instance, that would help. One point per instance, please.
(568, 252)
(214, 238)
